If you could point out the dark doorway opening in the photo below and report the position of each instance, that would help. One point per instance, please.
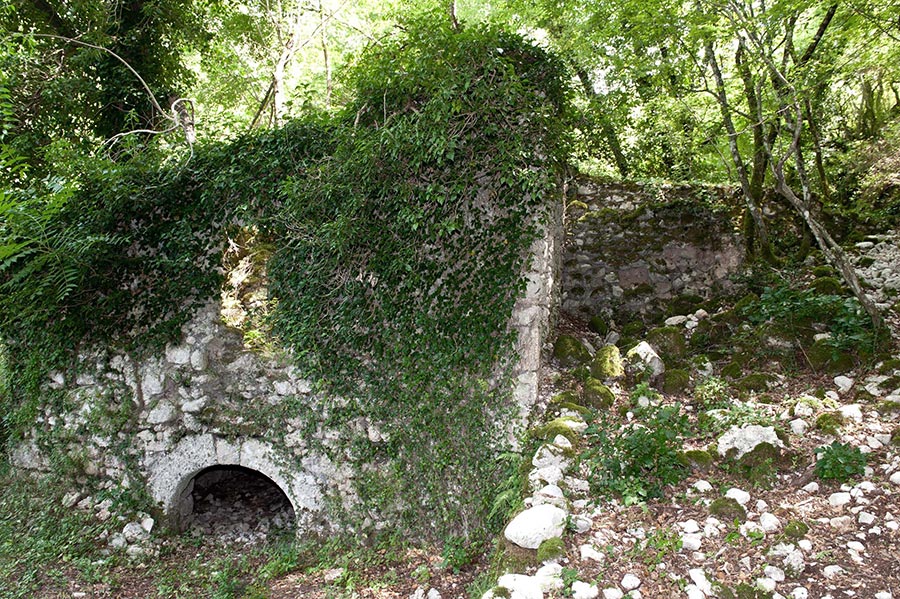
(234, 504)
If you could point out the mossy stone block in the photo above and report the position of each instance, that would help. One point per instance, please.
(829, 423)
(827, 286)
(668, 342)
(599, 325)
(822, 356)
(823, 271)
(551, 549)
(570, 351)
(796, 529)
(676, 380)
(564, 397)
(732, 370)
(597, 395)
(727, 510)
(757, 381)
(607, 363)
(697, 459)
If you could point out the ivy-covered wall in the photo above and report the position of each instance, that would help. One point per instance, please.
(374, 271)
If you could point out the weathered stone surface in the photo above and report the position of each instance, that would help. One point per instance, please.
(535, 525)
(744, 439)
(643, 359)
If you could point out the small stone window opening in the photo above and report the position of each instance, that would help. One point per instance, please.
(234, 504)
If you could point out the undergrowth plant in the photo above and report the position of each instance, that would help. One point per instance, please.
(636, 460)
(840, 462)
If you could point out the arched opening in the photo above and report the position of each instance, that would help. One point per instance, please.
(230, 503)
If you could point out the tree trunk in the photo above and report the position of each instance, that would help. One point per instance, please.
(761, 230)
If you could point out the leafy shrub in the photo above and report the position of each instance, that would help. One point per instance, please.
(840, 462)
(711, 392)
(637, 460)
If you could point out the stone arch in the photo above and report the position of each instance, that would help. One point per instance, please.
(171, 475)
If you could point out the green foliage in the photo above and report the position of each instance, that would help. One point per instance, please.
(658, 545)
(796, 310)
(635, 461)
(796, 529)
(840, 462)
(711, 392)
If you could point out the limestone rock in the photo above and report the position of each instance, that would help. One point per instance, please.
(521, 586)
(744, 439)
(535, 525)
(642, 359)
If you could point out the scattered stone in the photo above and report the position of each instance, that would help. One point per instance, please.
(535, 525)
(769, 522)
(842, 523)
(895, 478)
(689, 526)
(865, 518)
(800, 593)
(584, 590)
(521, 586)
(839, 499)
(691, 542)
(811, 488)
(630, 582)
(698, 576)
(549, 577)
(799, 426)
(774, 573)
(851, 412)
(832, 571)
(741, 496)
(609, 593)
(739, 441)
(703, 486)
(694, 593)
(766, 585)
(643, 360)
(843, 383)
(589, 552)
(333, 574)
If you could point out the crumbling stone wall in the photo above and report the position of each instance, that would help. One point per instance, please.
(631, 249)
(211, 400)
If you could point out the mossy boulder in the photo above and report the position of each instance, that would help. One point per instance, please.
(599, 325)
(607, 363)
(597, 395)
(564, 397)
(823, 271)
(732, 370)
(683, 304)
(568, 427)
(824, 357)
(757, 381)
(888, 367)
(633, 328)
(727, 510)
(697, 459)
(760, 465)
(669, 343)
(569, 351)
(827, 286)
(829, 423)
(676, 380)
(551, 549)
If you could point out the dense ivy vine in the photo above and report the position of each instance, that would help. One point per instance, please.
(401, 230)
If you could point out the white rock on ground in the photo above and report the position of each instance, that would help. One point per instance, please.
(521, 586)
(852, 412)
(698, 576)
(843, 383)
(535, 525)
(583, 590)
(839, 499)
(895, 478)
(643, 356)
(549, 577)
(590, 552)
(611, 593)
(691, 542)
(769, 522)
(630, 582)
(744, 439)
(739, 495)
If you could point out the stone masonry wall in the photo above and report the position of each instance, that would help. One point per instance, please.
(630, 249)
(211, 401)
